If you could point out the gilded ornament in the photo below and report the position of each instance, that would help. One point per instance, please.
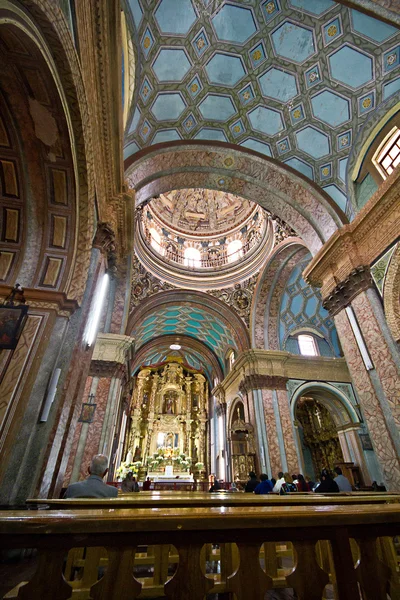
(313, 76)
(325, 171)
(200, 43)
(270, 7)
(256, 54)
(194, 87)
(247, 95)
(228, 162)
(391, 59)
(147, 42)
(297, 113)
(236, 129)
(332, 30)
(366, 103)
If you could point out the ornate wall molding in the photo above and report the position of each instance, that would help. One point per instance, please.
(45, 299)
(361, 242)
(391, 294)
(360, 279)
(261, 382)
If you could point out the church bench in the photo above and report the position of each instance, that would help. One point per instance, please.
(206, 499)
(192, 530)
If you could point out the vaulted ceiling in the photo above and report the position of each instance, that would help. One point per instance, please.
(292, 79)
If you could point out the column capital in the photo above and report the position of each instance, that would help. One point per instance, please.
(359, 280)
(262, 382)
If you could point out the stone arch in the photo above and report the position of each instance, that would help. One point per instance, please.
(231, 330)
(265, 305)
(391, 294)
(334, 400)
(44, 24)
(220, 166)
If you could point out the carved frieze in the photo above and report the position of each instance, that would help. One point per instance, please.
(341, 296)
(262, 382)
(112, 347)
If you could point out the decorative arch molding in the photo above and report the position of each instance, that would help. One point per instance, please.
(365, 137)
(163, 343)
(43, 22)
(331, 397)
(265, 305)
(391, 294)
(195, 301)
(220, 166)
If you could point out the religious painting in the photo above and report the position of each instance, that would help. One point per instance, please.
(366, 441)
(170, 399)
(87, 413)
(12, 321)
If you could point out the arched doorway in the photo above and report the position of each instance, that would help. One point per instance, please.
(330, 432)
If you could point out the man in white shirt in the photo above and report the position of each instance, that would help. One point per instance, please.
(279, 483)
(343, 483)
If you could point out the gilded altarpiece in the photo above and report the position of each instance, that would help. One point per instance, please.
(169, 418)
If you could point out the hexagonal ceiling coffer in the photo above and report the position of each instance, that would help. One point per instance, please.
(171, 64)
(168, 106)
(225, 69)
(330, 108)
(266, 120)
(235, 24)
(351, 67)
(293, 42)
(166, 16)
(313, 142)
(278, 84)
(217, 108)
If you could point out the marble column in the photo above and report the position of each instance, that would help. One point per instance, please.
(374, 364)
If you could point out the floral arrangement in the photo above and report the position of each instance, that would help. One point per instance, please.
(199, 466)
(126, 468)
(165, 456)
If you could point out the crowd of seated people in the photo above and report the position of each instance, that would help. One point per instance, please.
(298, 483)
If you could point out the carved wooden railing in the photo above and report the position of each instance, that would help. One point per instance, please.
(348, 546)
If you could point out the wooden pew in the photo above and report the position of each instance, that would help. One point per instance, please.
(121, 531)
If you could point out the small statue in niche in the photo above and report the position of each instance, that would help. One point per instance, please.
(169, 440)
(196, 401)
(145, 398)
(138, 454)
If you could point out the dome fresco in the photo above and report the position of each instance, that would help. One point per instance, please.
(291, 79)
(200, 211)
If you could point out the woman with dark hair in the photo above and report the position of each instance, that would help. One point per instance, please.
(301, 484)
(327, 485)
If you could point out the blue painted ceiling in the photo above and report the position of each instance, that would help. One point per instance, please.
(193, 322)
(293, 79)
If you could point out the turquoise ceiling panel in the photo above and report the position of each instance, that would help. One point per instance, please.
(171, 65)
(293, 42)
(257, 146)
(166, 135)
(372, 28)
(175, 16)
(223, 69)
(316, 7)
(244, 72)
(331, 108)
(217, 108)
(234, 24)
(337, 195)
(137, 12)
(391, 88)
(279, 85)
(313, 142)
(342, 168)
(211, 134)
(351, 67)
(266, 120)
(168, 106)
(301, 166)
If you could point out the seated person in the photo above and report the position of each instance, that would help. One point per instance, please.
(216, 486)
(252, 483)
(288, 486)
(343, 483)
(93, 486)
(265, 486)
(327, 485)
(146, 485)
(129, 484)
(279, 483)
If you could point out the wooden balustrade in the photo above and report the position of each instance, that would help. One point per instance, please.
(348, 546)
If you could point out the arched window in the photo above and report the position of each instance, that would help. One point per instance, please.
(231, 359)
(387, 157)
(155, 240)
(307, 345)
(192, 258)
(234, 250)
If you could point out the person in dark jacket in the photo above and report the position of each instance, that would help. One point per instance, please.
(252, 483)
(265, 486)
(327, 485)
(301, 484)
